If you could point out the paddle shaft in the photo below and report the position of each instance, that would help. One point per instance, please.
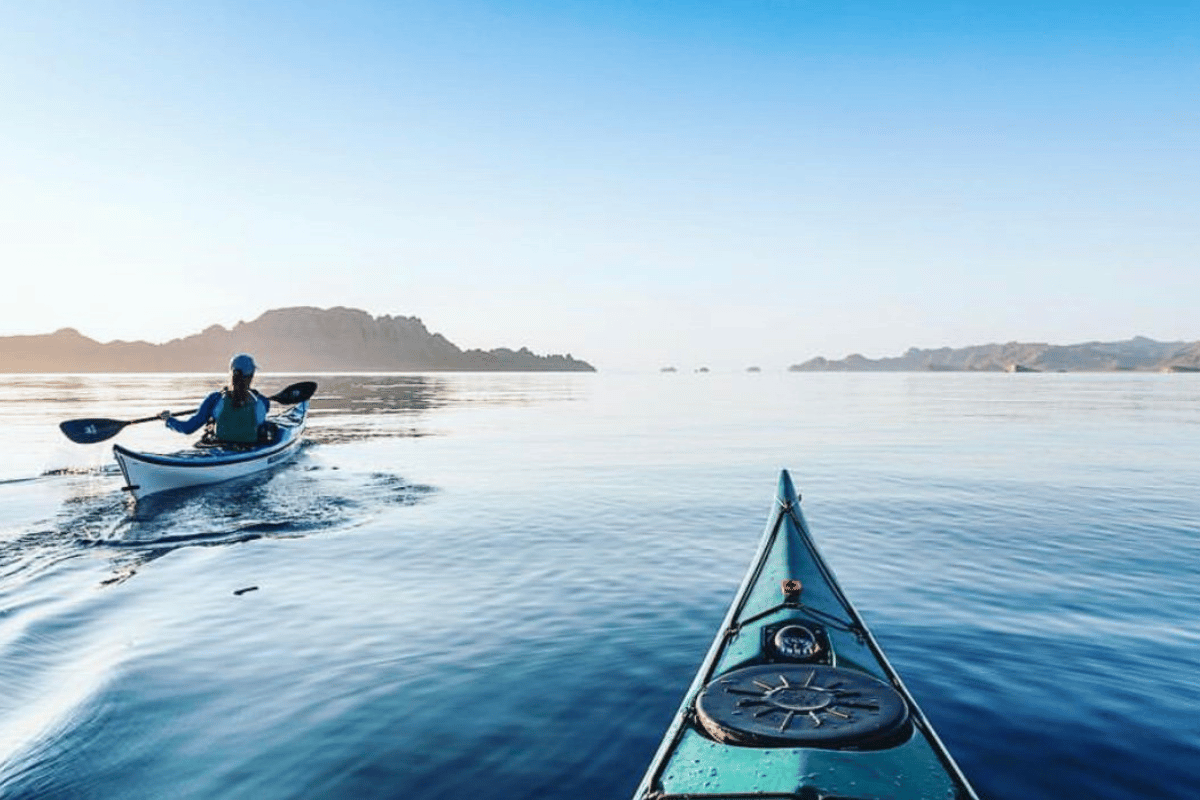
(90, 431)
(159, 416)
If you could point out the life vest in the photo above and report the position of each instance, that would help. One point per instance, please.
(236, 423)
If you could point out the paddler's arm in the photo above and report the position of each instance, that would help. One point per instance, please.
(264, 406)
(196, 422)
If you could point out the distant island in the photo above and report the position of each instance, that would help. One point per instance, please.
(301, 339)
(1138, 354)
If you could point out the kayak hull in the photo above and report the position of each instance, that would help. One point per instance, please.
(151, 473)
(795, 699)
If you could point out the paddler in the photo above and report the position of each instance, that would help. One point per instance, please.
(236, 413)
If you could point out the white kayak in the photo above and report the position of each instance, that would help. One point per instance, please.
(150, 473)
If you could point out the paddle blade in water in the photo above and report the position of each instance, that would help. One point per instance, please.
(90, 431)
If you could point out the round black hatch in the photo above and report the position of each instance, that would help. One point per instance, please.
(792, 705)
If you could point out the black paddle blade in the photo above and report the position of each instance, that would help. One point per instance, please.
(90, 431)
(296, 393)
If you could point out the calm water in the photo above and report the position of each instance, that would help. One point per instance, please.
(499, 586)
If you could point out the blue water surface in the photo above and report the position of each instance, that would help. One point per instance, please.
(500, 586)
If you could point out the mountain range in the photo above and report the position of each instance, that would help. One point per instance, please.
(301, 339)
(1136, 354)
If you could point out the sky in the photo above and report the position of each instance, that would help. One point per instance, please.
(639, 184)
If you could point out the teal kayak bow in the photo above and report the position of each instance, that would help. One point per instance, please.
(795, 700)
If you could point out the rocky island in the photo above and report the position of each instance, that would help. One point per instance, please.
(302, 339)
(1137, 354)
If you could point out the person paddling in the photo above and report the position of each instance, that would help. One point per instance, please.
(236, 412)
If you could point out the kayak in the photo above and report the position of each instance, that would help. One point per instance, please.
(795, 699)
(150, 473)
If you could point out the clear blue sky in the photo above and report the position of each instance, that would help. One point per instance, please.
(637, 183)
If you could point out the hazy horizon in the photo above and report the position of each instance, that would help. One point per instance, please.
(718, 184)
(746, 362)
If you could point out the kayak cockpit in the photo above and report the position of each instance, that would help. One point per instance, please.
(149, 473)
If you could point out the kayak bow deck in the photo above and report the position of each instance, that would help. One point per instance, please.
(795, 699)
(150, 473)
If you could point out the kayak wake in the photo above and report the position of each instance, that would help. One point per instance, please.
(303, 500)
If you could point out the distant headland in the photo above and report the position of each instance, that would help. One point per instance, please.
(1138, 354)
(301, 339)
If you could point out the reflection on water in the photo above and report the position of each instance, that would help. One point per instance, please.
(1024, 550)
(382, 394)
(410, 393)
(350, 408)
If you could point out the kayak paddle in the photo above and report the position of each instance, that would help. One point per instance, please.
(90, 431)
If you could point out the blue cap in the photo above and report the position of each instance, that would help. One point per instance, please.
(242, 363)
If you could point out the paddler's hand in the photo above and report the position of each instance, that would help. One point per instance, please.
(164, 416)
